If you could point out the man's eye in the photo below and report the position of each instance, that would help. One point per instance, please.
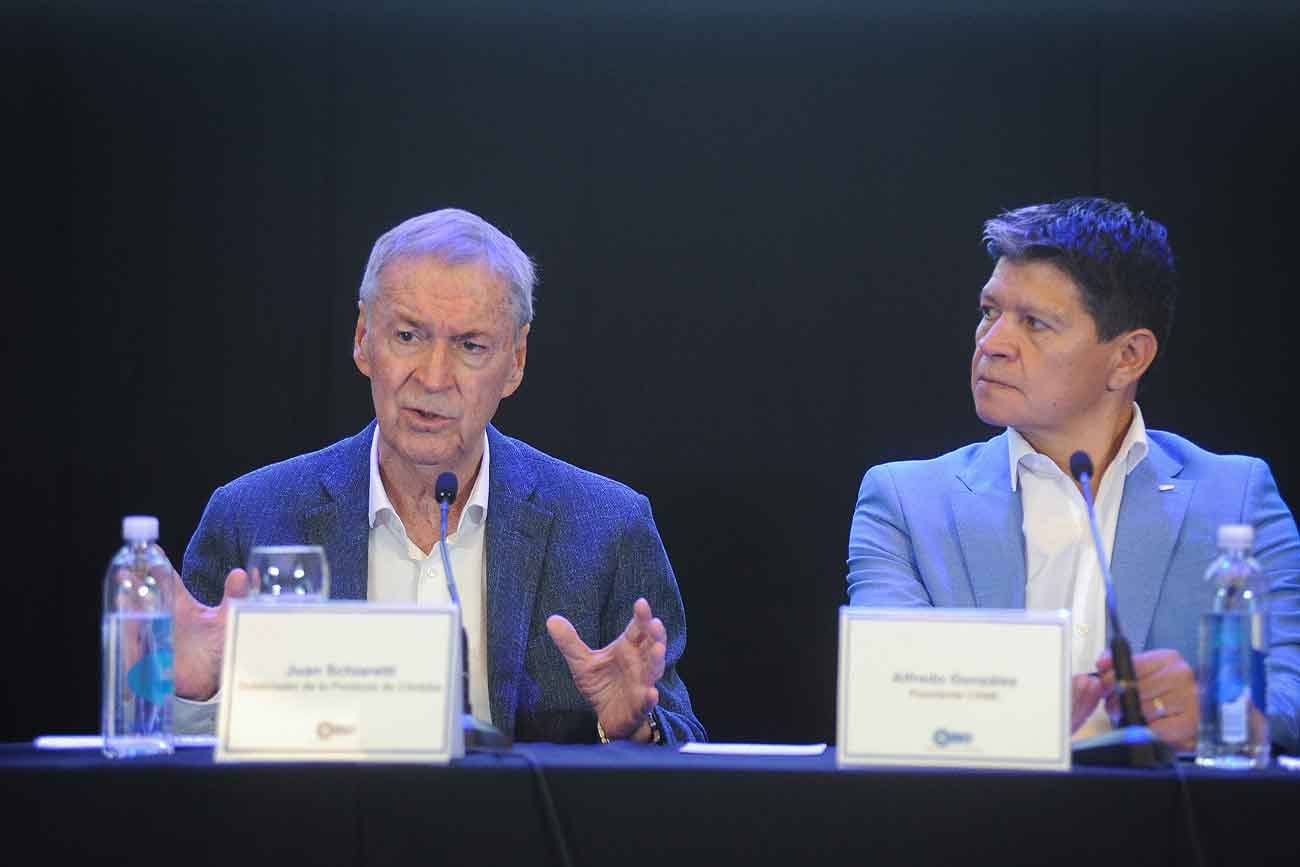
(1033, 323)
(471, 346)
(406, 337)
(987, 312)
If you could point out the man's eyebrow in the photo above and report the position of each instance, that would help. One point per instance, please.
(1033, 308)
(465, 335)
(399, 312)
(1042, 311)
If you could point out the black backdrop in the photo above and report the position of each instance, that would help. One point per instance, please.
(758, 231)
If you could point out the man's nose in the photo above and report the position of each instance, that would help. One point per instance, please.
(434, 372)
(998, 340)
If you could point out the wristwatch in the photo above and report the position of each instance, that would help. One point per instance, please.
(656, 733)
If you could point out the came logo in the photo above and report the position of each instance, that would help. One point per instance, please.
(942, 737)
(326, 730)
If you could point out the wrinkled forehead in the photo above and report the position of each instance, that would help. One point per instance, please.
(418, 275)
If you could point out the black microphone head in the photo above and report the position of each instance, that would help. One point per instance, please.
(1080, 464)
(445, 489)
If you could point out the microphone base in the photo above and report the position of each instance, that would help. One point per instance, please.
(1125, 747)
(482, 736)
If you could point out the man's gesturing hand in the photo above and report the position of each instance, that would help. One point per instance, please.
(199, 634)
(618, 680)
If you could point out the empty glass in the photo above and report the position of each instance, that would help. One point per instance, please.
(290, 573)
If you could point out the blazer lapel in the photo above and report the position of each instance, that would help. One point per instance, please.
(1149, 523)
(340, 524)
(989, 521)
(517, 534)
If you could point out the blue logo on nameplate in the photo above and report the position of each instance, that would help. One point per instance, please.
(945, 738)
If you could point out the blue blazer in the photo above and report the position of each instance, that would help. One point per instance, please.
(948, 532)
(559, 540)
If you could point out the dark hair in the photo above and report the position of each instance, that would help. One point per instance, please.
(1120, 260)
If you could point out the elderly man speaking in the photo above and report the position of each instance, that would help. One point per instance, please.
(442, 334)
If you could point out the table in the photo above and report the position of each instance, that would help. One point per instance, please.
(625, 804)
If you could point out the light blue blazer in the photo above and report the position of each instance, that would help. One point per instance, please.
(947, 532)
(559, 540)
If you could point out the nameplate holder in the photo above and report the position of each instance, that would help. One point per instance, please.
(340, 681)
(950, 687)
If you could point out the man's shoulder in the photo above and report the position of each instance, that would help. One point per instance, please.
(308, 470)
(1195, 461)
(556, 481)
(946, 465)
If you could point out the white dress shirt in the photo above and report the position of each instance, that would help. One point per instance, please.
(400, 572)
(1061, 567)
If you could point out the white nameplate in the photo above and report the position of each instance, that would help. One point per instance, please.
(951, 687)
(340, 681)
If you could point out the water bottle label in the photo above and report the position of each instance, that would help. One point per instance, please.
(1232, 719)
(151, 677)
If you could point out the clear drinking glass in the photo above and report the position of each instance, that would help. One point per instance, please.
(288, 573)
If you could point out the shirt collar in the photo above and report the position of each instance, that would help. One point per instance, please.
(475, 511)
(1132, 449)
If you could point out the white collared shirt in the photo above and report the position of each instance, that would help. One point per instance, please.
(400, 572)
(1061, 567)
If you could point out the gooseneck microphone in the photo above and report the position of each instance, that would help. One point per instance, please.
(1132, 744)
(478, 734)
(1130, 705)
(444, 491)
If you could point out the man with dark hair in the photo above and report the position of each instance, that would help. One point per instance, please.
(1079, 303)
(445, 307)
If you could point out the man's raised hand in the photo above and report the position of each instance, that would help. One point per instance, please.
(618, 680)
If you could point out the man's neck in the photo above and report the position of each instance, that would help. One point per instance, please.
(1101, 441)
(412, 492)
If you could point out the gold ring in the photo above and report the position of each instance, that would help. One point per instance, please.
(1159, 706)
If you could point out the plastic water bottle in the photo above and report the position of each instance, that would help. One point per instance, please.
(137, 635)
(1234, 646)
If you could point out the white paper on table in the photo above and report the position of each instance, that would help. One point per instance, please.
(94, 742)
(715, 749)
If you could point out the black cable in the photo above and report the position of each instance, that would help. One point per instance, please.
(1189, 815)
(549, 813)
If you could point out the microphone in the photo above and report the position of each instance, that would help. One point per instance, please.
(478, 734)
(1132, 744)
(444, 491)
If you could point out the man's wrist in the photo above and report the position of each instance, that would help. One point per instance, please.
(649, 732)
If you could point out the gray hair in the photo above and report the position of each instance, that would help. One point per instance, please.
(457, 237)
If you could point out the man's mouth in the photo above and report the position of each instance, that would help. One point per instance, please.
(426, 415)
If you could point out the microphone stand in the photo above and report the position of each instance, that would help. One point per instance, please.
(1132, 744)
(479, 735)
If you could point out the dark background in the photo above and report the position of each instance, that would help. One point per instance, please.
(758, 232)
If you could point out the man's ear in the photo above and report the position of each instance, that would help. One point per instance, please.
(359, 356)
(1135, 352)
(520, 358)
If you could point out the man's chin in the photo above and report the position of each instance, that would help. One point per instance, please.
(992, 417)
(421, 449)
